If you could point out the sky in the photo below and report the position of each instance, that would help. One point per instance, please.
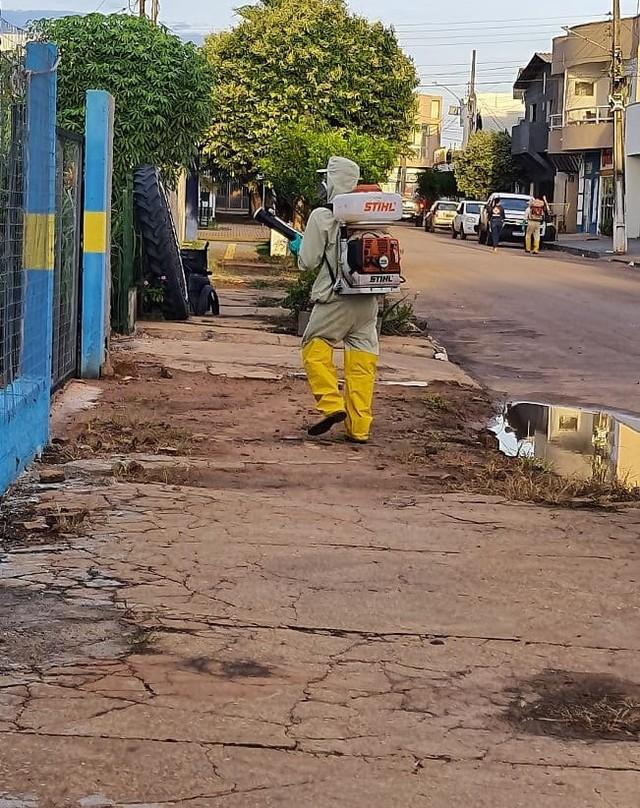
(505, 34)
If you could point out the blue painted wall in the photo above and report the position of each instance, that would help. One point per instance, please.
(24, 404)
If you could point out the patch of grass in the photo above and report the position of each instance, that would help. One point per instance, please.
(434, 402)
(263, 250)
(126, 434)
(398, 317)
(169, 474)
(276, 282)
(67, 520)
(525, 479)
(298, 296)
(268, 302)
(579, 705)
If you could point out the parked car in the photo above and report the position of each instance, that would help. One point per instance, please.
(467, 219)
(515, 209)
(410, 209)
(440, 215)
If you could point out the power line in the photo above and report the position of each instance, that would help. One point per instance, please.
(471, 42)
(485, 21)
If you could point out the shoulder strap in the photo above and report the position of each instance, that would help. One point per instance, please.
(325, 262)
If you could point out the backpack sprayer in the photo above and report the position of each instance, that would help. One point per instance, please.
(368, 257)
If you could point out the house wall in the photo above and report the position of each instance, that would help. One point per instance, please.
(425, 140)
(576, 79)
(632, 140)
(566, 195)
(628, 455)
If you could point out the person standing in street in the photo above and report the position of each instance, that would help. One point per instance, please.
(347, 319)
(496, 222)
(537, 212)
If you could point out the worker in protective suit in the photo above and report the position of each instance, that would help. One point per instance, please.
(348, 319)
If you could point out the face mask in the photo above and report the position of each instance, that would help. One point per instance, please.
(322, 191)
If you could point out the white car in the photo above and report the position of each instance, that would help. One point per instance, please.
(467, 219)
(515, 211)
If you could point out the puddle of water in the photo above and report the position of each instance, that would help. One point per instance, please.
(575, 442)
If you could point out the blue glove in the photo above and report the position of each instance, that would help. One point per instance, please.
(296, 245)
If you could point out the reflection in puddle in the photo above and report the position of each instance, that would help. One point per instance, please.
(577, 443)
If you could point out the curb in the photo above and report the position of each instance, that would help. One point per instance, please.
(579, 251)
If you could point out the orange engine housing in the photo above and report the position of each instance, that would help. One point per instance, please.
(372, 254)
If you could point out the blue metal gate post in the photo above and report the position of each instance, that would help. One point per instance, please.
(96, 274)
(24, 414)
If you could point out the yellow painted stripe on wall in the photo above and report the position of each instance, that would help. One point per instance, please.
(39, 240)
(95, 232)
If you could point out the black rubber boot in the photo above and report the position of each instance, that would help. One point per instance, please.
(327, 423)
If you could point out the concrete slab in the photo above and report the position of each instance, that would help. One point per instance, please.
(232, 347)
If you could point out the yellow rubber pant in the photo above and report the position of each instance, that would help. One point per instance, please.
(532, 237)
(351, 320)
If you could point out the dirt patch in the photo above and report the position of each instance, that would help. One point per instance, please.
(122, 434)
(578, 706)
(430, 440)
(38, 629)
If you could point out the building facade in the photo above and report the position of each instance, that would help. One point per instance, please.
(581, 123)
(530, 136)
(425, 141)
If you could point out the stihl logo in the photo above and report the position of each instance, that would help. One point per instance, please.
(381, 279)
(379, 207)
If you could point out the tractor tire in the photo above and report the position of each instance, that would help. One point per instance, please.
(159, 240)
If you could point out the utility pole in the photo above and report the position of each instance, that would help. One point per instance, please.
(471, 111)
(617, 102)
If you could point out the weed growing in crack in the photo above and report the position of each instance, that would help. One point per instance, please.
(141, 639)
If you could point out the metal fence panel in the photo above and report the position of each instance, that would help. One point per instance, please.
(66, 282)
(12, 138)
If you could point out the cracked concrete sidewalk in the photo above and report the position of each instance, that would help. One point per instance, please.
(299, 622)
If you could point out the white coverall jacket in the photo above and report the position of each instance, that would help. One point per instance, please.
(335, 319)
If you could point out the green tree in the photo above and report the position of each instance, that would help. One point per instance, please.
(486, 165)
(161, 86)
(434, 184)
(311, 60)
(298, 150)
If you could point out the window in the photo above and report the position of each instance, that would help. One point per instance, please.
(533, 113)
(584, 89)
(435, 109)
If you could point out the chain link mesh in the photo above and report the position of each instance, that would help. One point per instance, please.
(12, 136)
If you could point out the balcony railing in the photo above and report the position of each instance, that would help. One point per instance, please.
(580, 115)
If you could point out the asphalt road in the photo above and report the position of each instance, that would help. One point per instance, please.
(551, 328)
